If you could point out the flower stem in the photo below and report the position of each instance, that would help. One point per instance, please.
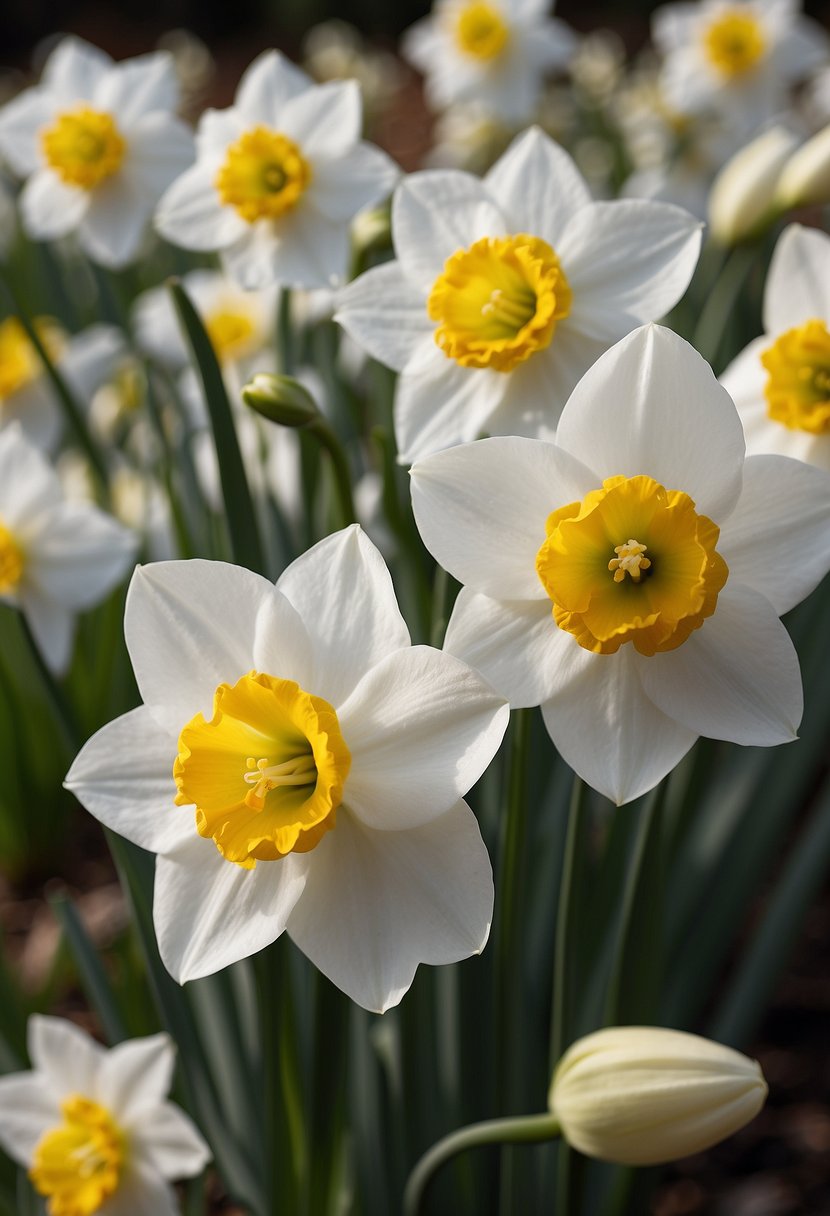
(326, 437)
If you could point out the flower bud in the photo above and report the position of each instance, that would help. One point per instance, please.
(640, 1095)
(805, 178)
(742, 202)
(280, 399)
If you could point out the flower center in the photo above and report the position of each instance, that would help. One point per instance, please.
(798, 384)
(734, 43)
(683, 572)
(480, 30)
(12, 561)
(230, 333)
(266, 773)
(264, 175)
(84, 147)
(19, 361)
(498, 302)
(78, 1164)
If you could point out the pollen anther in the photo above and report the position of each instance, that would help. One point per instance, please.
(629, 560)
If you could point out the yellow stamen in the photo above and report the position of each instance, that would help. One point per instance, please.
(480, 30)
(84, 147)
(798, 381)
(261, 809)
(19, 361)
(657, 613)
(78, 1164)
(264, 175)
(12, 561)
(230, 333)
(499, 301)
(734, 43)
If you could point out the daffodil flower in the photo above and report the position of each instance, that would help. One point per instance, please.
(496, 53)
(93, 1127)
(57, 558)
(297, 766)
(630, 577)
(98, 143)
(278, 177)
(781, 381)
(506, 290)
(739, 58)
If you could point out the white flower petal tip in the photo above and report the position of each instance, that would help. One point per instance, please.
(569, 551)
(252, 690)
(77, 1084)
(641, 1095)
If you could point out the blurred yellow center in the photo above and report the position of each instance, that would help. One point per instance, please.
(498, 302)
(78, 1164)
(798, 381)
(230, 333)
(84, 147)
(480, 30)
(606, 591)
(734, 43)
(266, 773)
(264, 175)
(11, 561)
(19, 361)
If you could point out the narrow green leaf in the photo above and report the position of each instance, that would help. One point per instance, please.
(93, 977)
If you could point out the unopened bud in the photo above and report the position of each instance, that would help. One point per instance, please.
(639, 1095)
(742, 202)
(280, 399)
(805, 178)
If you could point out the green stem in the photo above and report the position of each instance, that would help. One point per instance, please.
(283, 1133)
(285, 335)
(58, 700)
(324, 434)
(527, 1129)
(328, 1099)
(720, 303)
(563, 962)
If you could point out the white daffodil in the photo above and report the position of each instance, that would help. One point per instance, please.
(93, 1127)
(781, 381)
(85, 361)
(506, 290)
(277, 179)
(99, 143)
(57, 558)
(740, 58)
(299, 767)
(495, 52)
(630, 577)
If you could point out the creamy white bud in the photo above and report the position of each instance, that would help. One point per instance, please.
(742, 202)
(640, 1095)
(805, 178)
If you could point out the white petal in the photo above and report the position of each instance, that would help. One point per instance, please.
(266, 86)
(135, 88)
(324, 120)
(765, 436)
(436, 213)
(516, 645)
(746, 377)
(49, 208)
(191, 626)
(161, 148)
(53, 628)
(209, 912)
(80, 556)
(75, 69)
(627, 262)
(798, 282)
(142, 1192)
(777, 539)
(115, 223)
(385, 314)
(21, 121)
(302, 249)
(28, 486)
(651, 405)
(68, 1059)
(609, 731)
(190, 213)
(421, 728)
(91, 357)
(538, 186)
(136, 1076)
(343, 592)
(28, 1108)
(736, 678)
(377, 904)
(343, 186)
(170, 1142)
(123, 775)
(442, 403)
(481, 510)
(217, 129)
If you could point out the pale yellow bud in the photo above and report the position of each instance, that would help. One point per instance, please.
(640, 1095)
(280, 399)
(742, 202)
(805, 178)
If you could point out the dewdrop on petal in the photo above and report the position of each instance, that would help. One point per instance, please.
(742, 202)
(641, 1095)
